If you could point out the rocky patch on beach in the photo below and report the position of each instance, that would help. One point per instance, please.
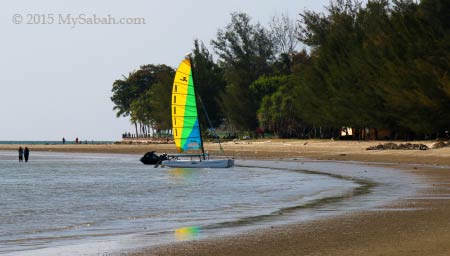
(402, 146)
(441, 144)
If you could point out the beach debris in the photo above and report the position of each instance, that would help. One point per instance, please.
(402, 146)
(441, 144)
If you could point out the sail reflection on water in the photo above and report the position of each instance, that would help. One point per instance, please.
(185, 174)
(187, 233)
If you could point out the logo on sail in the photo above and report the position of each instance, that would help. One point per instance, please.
(193, 144)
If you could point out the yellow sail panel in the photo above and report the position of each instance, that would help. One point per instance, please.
(186, 131)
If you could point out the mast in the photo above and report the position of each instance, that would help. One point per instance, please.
(196, 104)
(210, 124)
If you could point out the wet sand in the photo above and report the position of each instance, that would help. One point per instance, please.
(414, 226)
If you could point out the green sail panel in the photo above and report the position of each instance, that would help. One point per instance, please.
(186, 131)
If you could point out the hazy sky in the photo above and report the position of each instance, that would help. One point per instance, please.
(56, 78)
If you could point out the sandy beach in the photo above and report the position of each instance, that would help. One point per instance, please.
(417, 226)
(273, 149)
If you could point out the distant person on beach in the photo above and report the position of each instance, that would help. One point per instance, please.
(20, 154)
(64, 140)
(26, 154)
(76, 140)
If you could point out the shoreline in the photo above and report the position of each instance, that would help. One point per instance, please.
(272, 149)
(413, 226)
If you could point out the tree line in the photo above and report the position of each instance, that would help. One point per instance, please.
(383, 65)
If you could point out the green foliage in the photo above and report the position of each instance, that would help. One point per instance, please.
(139, 95)
(277, 112)
(377, 66)
(122, 97)
(160, 95)
(382, 65)
(245, 52)
(267, 85)
(209, 83)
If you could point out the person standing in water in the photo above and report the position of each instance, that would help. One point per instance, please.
(20, 154)
(26, 154)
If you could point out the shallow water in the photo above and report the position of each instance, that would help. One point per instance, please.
(86, 204)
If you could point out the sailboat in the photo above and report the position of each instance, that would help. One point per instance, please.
(186, 127)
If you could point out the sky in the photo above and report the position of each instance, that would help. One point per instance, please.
(56, 78)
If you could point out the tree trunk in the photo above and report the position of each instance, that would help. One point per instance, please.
(135, 126)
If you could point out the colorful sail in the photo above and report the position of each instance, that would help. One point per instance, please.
(186, 131)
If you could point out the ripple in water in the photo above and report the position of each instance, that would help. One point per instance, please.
(60, 199)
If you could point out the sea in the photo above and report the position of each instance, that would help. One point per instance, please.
(111, 204)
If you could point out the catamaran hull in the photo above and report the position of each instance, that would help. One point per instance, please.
(213, 163)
